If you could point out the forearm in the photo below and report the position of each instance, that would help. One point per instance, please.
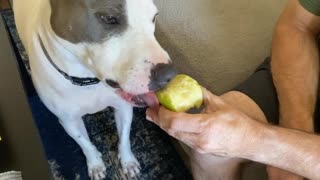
(295, 73)
(295, 70)
(287, 149)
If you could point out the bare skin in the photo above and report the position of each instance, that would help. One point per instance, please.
(295, 70)
(231, 125)
(225, 130)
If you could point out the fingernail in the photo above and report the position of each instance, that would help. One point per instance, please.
(148, 118)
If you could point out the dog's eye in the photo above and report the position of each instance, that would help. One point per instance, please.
(107, 18)
(155, 18)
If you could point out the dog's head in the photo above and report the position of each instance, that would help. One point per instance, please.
(115, 40)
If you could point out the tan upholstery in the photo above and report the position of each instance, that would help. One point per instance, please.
(219, 42)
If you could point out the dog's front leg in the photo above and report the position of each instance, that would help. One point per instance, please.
(76, 129)
(123, 117)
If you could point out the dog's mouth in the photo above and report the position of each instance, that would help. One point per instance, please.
(143, 100)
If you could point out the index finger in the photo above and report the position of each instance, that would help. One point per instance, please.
(183, 122)
(210, 98)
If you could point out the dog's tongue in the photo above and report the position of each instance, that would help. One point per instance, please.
(151, 100)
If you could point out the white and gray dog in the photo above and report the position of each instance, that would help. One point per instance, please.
(86, 55)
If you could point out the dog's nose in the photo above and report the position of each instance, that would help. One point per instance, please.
(161, 74)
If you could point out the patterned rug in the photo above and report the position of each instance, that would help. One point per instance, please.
(152, 147)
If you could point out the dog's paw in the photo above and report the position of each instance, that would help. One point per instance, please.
(130, 165)
(96, 168)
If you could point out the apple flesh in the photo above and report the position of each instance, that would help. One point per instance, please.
(181, 94)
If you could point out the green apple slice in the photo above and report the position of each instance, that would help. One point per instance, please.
(181, 94)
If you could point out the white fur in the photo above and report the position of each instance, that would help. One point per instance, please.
(121, 58)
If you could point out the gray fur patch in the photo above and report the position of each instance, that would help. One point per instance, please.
(81, 20)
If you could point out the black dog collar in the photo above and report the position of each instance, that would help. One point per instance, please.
(74, 80)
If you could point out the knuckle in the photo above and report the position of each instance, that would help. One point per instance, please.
(161, 124)
(204, 144)
(203, 123)
(171, 132)
(164, 125)
(199, 150)
(173, 124)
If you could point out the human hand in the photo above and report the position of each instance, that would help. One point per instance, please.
(219, 130)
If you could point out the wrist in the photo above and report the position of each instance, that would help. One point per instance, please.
(258, 136)
(264, 139)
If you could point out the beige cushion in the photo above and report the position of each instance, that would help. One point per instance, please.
(218, 42)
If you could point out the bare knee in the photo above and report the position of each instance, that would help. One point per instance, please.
(245, 104)
(278, 174)
(208, 167)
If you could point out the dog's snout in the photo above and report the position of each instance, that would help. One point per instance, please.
(161, 74)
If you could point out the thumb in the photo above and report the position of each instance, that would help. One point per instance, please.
(152, 115)
(211, 99)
